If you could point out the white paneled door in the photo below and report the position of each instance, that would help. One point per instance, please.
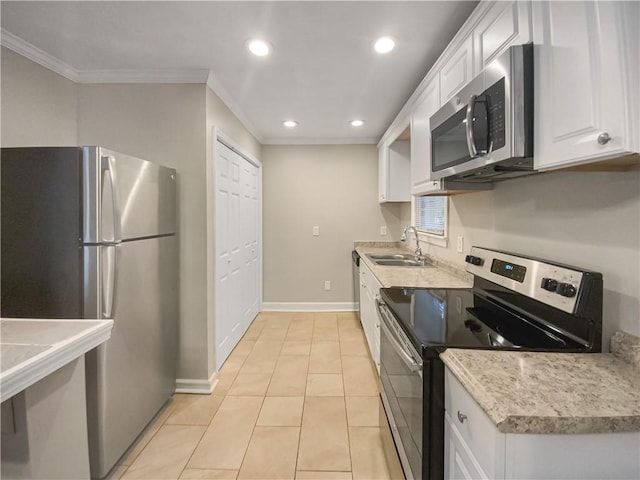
(237, 248)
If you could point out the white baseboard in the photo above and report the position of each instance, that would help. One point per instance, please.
(309, 307)
(192, 385)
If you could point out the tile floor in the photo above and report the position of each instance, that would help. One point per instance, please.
(296, 399)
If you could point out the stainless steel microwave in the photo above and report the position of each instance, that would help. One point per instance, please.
(485, 132)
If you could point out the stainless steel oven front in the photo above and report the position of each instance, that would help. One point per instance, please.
(401, 373)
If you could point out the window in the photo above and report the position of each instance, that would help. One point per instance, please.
(431, 215)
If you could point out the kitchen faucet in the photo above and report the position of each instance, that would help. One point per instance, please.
(403, 238)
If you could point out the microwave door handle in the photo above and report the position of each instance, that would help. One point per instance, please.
(471, 143)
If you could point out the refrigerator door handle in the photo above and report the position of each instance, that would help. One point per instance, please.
(109, 281)
(113, 220)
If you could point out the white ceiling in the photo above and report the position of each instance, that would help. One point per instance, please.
(322, 71)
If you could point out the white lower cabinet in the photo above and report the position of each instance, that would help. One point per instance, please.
(369, 288)
(475, 449)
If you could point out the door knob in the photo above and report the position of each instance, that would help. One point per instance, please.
(461, 417)
(604, 138)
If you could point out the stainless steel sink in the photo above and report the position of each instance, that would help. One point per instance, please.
(398, 260)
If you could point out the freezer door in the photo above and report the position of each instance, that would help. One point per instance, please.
(126, 197)
(41, 231)
(133, 374)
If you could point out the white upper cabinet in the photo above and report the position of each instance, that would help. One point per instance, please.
(586, 81)
(394, 169)
(427, 105)
(503, 25)
(457, 71)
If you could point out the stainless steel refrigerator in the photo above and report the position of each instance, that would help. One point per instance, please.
(91, 233)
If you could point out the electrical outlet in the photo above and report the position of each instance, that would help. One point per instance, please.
(327, 284)
(383, 230)
(460, 243)
(316, 231)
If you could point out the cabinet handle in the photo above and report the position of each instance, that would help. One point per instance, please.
(604, 138)
(461, 417)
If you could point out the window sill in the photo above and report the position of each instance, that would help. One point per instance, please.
(433, 239)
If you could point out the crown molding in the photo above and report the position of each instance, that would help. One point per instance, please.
(33, 53)
(217, 88)
(320, 141)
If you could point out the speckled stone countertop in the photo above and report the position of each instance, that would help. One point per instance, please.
(533, 392)
(441, 275)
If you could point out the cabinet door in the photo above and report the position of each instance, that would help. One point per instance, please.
(426, 106)
(458, 458)
(504, 24)
(586, 95)
(457, 71)
(383, 168)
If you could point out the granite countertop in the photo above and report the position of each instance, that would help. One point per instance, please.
(567, 393)
(32, 349)
(442, 275)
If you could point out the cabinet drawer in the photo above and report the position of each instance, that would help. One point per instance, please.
(476, 429)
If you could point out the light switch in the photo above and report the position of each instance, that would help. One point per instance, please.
(383, 230)
(316, 231)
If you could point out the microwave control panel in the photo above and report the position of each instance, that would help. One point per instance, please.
(496, 114)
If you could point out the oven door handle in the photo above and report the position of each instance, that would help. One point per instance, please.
(408, 359)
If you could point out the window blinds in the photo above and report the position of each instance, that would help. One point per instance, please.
(431, 214)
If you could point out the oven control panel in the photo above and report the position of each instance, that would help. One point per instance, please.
(553, 284)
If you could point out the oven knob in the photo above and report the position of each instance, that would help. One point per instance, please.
(566, 290)
(474, 260)
(549, 284)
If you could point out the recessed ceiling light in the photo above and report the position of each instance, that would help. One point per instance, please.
(357, 123)
(259, 48)
(384, 45)
(290, 123)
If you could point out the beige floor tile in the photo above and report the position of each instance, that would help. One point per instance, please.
(150, 430)
(363, 411)
(243, 347)
(324, 442)
(281, 412)
(225, 442)
(296, 348)
(250, 384)
(302, 475)
(166, 454)
(301, 332)
(223, 381)
(367, 454)
(290, 376)
(271, 454)
(233, 363)
(117, 472)
(280, 321)
(254, 331)
(359, 377)
(263, 357)
(347, 317)
(325, 333)
(325, 357)
(303, 316)
(194, 410)
(354, 346)
(268, 348)
(208, 474)
(325, 319)
(324, 385)
(273, 334)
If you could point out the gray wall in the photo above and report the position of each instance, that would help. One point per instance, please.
(166, 123)
(590, 220)
(334, 187)
(38, 105)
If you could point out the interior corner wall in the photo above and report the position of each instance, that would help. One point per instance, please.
(334, 187)
(163, 123)
(38, 106)
(587, 219)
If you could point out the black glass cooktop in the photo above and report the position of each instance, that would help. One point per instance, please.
(467, 318)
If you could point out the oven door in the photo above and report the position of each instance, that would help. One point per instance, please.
(402, 391)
